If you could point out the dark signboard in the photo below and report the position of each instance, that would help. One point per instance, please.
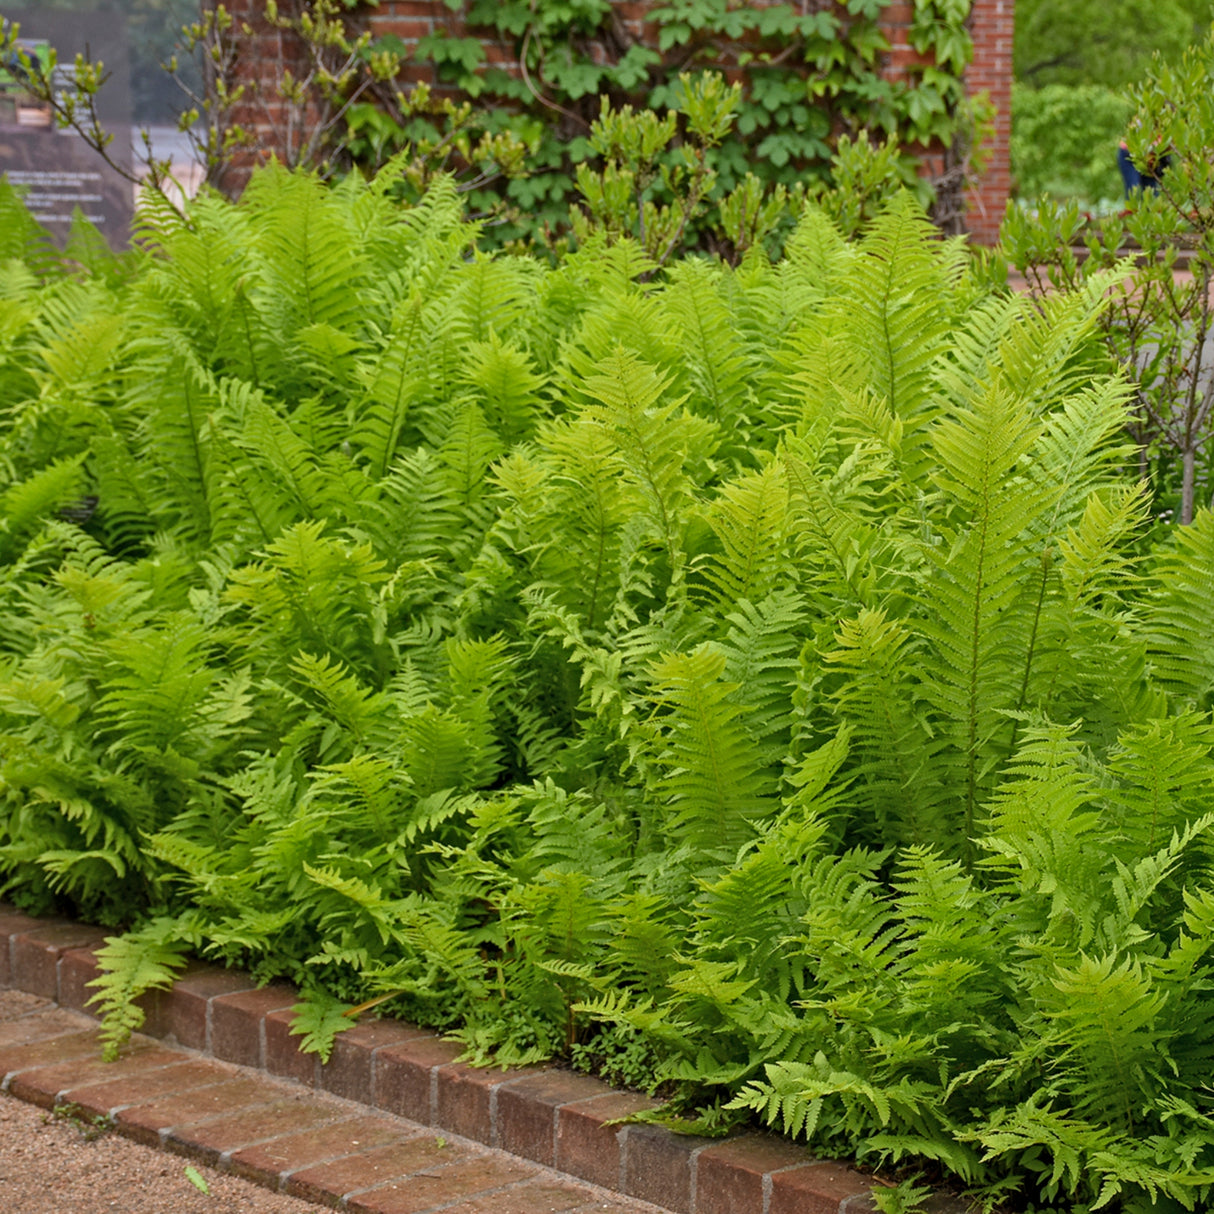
(56, 170)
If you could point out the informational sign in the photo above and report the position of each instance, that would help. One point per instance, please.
(58, 172)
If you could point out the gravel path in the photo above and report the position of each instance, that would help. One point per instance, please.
(49, 1165)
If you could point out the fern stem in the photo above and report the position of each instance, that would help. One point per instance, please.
(1046, 561)
(196, 452)
(248, 335)
(971, 775)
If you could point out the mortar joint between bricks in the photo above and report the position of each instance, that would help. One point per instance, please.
(372, 1084)
(693, 1161)
(766, 1185)
(857, 1203)
(493, 1135)
(434, 1095)
(621, 1183)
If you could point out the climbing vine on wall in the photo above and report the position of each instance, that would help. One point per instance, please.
(811, 71)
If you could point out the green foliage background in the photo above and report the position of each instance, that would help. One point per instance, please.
(1073, 64)
(1064, 141)
(759, 683)
(1095, 42)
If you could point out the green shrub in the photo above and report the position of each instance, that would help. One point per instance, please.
(1159, 321)
(1064, 141)
(758, 678)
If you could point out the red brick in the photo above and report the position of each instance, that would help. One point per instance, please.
(816, 1188)
(407, 29)
(43, 1085)
(282, 1053)
(294, 1152)
(77, 968)
(182, 1011)
(403, 1072)
(864, 1204)
(408, 8)
(48, 1052)
(108, 1098)
(236, 1022)
(729, 1176)
(217, 1137)
(144, 1122)
(53, 1022)
(35, 954)
(463, 1099)
(589, 1148)
(937, 1203)
(13, 923)
(156, 1004)
(598, 1206)
(657, 1166)
(439, 1186)
(350, 1069)
(538, 1197)
(15, 1005)
(526, 1111)
(374, 1167)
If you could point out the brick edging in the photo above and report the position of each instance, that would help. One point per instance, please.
(552, 1117)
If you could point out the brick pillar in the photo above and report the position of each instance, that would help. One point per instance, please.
(991, 25)
(263, 52)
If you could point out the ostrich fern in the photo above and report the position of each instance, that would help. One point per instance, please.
(764, 672)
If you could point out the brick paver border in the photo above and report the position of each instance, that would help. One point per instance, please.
(551, 1117)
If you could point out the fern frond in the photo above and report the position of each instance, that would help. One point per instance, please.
(651, 440)
(23, 504)
(750, 520)
(1179, 613)
(318, 1018)
(712, 780)
(131, 965)
(507, 386)
(719, 366)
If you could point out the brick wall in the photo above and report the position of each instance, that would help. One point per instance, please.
(991, 25)
(411, 20)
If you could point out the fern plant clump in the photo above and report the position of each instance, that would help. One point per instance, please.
(764, 683)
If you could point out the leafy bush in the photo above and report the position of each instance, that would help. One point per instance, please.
(1159, 321)
(1064, 141)
(757, 680)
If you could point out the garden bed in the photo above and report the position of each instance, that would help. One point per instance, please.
(552, 1117)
